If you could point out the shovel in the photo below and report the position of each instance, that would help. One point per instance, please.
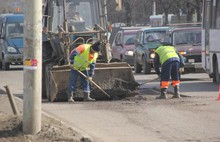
(93, 83)
(135, 83)
(149, 81)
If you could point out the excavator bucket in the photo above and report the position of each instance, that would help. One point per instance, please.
(114, 78)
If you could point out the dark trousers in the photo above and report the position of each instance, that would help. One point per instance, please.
(73, 81)
(170, 69)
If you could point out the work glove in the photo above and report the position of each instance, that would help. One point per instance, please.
(89, 78)
(182, 64)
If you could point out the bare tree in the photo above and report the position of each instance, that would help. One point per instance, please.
(192, 7)
(138, 11)
(166, 6)
(142, 12)
(129, 6)
(113, 15)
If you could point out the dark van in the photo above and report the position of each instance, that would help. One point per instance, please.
(11, 40)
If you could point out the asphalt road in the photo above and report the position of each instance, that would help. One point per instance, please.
(194, 117)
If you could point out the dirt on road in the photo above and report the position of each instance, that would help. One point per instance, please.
(51, 130)
(140, 118)
(144, 119)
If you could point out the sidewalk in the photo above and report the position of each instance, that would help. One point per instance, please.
(51, 130)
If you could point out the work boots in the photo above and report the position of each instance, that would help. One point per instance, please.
(176, 92)
(163, 95)
(70, 96)
(87, 97)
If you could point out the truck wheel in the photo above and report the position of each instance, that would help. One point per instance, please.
(121, 58)
(146, 66)
(47, 81)
(210, 75)
(44, 94)
(5, 65)
(216, 72)
(137, 67)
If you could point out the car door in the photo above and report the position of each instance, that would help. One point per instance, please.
(117, 45)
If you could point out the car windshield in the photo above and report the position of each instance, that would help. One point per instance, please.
(188, 37)
(80, 15)
(14, 30)
(156, 36)
(129, 39)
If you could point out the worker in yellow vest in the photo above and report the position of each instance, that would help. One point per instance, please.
(170, 61)
(81, 58)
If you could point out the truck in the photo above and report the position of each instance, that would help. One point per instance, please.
(67, 24)
(11, 40)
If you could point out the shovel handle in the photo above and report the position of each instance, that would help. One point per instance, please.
(94, 83)
(149, 81)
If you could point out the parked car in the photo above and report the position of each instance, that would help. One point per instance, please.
(123, 45)
(187, 41)
(11, 40)
(147, 40)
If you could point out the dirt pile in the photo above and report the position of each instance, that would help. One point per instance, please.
(51, 130)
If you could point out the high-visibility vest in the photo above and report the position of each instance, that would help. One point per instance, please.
(166, 52)
(82, 61)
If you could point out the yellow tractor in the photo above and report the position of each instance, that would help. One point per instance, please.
(67, 24)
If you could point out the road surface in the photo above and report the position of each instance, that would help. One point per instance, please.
(194, 117)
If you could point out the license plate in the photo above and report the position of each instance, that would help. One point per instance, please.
(191, 60)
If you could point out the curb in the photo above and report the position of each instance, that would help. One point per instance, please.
(84, 135)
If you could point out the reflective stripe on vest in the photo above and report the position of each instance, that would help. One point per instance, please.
(82, 61)
(166, 52)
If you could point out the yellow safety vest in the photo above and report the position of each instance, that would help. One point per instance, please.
(81, 61)
(166, 52)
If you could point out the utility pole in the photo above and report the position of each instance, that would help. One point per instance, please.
(32, 66)
(154, 8)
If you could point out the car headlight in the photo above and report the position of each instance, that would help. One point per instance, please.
(182, 53)
(11, 49)
(152, 55)
(129, 53)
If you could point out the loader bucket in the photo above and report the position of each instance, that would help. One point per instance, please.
(115, 78)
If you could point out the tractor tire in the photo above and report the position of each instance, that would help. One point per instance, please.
(137, 67)
(146, 66)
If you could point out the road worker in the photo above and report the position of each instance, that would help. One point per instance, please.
(170, 61)
(81, 58)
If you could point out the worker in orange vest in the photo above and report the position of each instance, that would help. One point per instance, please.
(81, 58)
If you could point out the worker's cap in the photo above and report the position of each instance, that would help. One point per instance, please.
(96, 46)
